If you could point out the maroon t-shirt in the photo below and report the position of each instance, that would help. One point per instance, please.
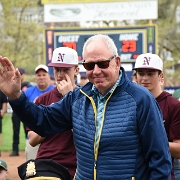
(59, 147)
(170, 108)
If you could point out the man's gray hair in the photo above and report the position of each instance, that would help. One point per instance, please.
(109, 42)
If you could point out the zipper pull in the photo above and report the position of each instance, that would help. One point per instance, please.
(95, 164)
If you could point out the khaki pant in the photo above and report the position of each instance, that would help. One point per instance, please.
(30, 151)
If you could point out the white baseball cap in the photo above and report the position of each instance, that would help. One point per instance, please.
(64, 57)
(42, 66)
(148, 61)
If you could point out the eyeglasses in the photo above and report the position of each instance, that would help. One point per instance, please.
(101, 64)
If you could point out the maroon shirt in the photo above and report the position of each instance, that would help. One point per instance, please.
(59, 147)
(170, 108)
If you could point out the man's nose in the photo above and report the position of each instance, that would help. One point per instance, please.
(96, 69)
(60, 73)
(144, 76)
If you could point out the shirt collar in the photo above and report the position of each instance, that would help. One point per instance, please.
(95, 91)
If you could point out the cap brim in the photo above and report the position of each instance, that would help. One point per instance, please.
(146, 67)
(3, 167)
(41, 69)
(61, 65)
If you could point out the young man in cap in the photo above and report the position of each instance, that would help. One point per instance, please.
(42, 80)
(3, 170)
(149, 69)
(16, 122)
(59, 147)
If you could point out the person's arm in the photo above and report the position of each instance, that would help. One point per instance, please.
(154, 139)
(174, 131)
(34, 138)
(175, 148)
(45, 120)
(4, 108)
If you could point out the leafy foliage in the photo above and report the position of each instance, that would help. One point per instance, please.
(21, 38)
(169, 39)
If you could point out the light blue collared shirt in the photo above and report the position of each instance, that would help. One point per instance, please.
(100, 101)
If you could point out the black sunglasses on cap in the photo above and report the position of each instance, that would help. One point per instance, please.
(101, 64)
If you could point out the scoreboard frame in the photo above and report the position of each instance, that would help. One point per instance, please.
(130, 41)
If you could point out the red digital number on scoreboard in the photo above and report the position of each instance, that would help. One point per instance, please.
(70, 45)
(129, 46)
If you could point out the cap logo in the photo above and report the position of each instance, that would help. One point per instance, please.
(60, 57)
(146, 60)
(30, 170)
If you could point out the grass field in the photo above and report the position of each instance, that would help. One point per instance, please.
(7, 134)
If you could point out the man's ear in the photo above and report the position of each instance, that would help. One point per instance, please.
(162, 78)
(76, 71)
(162, 75)
(118, 61)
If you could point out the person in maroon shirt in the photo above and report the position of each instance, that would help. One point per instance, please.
(59, 147)
(149, 69)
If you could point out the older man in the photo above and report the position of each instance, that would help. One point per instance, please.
(117, 125)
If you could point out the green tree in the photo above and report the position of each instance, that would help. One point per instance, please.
(21, 36)
(169, 38)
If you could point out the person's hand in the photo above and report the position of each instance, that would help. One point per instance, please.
(2, 114)
(10, 79)
(64, 86)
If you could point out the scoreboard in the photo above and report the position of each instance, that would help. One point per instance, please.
(130, 41)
